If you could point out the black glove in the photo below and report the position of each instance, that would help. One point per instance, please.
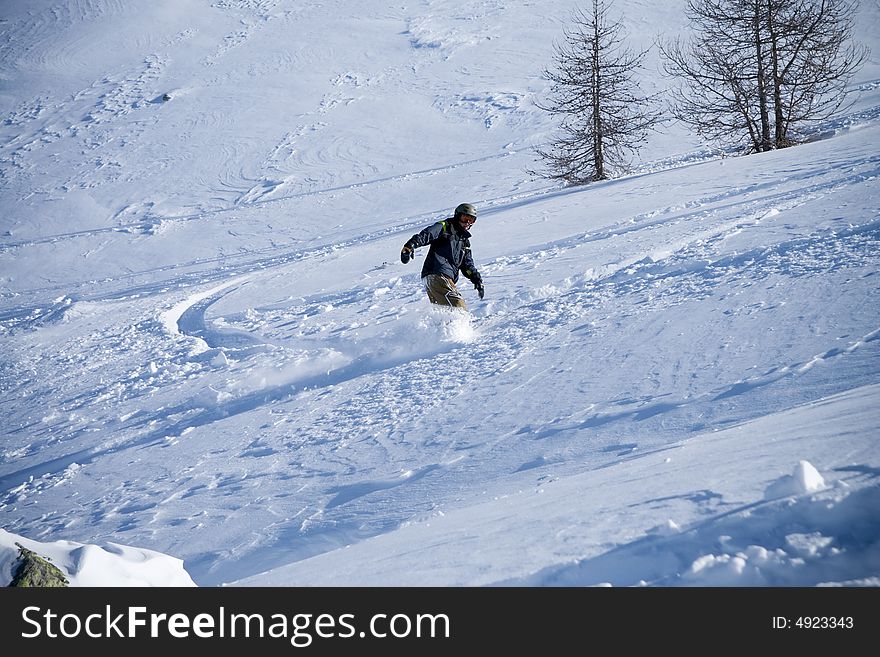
(406, 253)
(478, 286)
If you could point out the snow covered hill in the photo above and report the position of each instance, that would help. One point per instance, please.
(211, 351)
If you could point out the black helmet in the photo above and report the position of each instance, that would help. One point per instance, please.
(466, 208)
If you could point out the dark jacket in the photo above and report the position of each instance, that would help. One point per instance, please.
(450, 251)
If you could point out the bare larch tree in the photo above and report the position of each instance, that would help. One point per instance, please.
(604, 118)
(756, 70)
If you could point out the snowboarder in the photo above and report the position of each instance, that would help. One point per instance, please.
(450, 253)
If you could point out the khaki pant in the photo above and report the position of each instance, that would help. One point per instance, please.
(442, 291)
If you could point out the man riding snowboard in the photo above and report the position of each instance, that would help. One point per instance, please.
(450, 253)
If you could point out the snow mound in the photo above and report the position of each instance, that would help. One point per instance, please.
(93, 565)
(804, 479)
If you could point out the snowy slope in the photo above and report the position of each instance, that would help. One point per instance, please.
(211, 351)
